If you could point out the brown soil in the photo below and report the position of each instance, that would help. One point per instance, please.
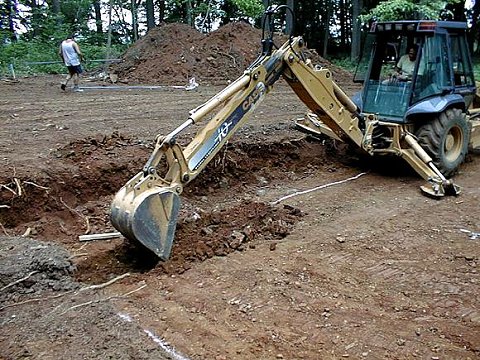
(364, 269)
(174, 53)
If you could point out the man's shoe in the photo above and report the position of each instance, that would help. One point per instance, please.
(62, 86)
(77, 89)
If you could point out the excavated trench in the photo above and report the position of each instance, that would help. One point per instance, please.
(219, 214)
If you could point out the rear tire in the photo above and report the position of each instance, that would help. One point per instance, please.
(445, 139)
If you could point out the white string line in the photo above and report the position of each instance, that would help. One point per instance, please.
(317, 188)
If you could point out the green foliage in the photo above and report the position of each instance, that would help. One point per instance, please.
(48, 27)
(250, 8)
(476, 68)
(345, 63)
(74, 11)
(95, 52)
(407, 9)
(22, 54)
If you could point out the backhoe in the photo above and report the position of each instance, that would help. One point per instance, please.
(426, 119)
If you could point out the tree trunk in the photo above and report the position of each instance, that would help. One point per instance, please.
(342, 11)
(123, 23)
(134, 20)
(188, 10)
(150, 15)
(289, 18)
(356, 30)
(109, 36)
(161, 11)
(98, 16)
(56, 11)
(326, 28)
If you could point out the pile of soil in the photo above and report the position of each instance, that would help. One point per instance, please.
(174, 53)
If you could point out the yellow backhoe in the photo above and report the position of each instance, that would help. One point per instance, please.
(426, 119)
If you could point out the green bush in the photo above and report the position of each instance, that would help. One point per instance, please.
(22, 54)
(476, 68)
(345, 63)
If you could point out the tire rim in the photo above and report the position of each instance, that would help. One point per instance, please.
(453, 143)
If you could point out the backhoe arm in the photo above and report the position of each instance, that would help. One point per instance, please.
(146, 208)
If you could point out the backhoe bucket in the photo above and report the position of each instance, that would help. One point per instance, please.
(149, 218)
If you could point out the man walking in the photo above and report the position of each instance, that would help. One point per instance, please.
(71, 55)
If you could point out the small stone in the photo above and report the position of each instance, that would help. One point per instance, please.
(261, 192)
(401, 342)
(206, 231)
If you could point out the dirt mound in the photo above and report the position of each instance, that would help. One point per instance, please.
(38, 275)
(173, 53)
(42, 266)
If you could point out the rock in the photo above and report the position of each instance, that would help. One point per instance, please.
(206, 231)
(237, 238)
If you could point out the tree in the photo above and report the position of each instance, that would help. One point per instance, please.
(150, 14)
(356, 30)
(289, 20)
(474, 33)
(250, 8)
(98, 19)
(326, 17)
(133, 10)
(407, 9)
(8, 11)
(161, 11)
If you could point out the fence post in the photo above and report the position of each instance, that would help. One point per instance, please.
(12, 70)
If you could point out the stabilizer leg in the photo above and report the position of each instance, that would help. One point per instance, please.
(438, 186)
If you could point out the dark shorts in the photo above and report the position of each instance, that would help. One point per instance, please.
(77, 69)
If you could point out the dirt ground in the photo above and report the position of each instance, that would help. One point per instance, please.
(364, 269)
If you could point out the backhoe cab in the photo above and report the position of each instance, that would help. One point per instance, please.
(432, 101)
(424, 119)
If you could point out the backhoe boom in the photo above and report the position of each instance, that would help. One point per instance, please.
(146, 208)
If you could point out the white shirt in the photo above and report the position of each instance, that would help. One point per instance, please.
(406, 66)
(69, 53)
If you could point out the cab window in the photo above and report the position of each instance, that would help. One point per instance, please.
(462, 71)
